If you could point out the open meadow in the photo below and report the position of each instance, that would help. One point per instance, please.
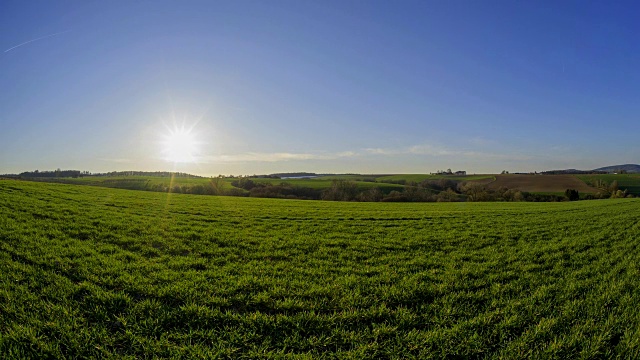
(110, 273)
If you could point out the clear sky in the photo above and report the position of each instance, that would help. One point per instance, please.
(319, 86)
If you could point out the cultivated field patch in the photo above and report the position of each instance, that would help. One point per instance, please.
(541, 183)
(422, 177)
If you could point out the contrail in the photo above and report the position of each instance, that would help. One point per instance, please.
(40, 38)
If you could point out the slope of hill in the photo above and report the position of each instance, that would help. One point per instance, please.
(630, 168)
(629, 182)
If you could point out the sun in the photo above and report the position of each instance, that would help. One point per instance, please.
(180, 145)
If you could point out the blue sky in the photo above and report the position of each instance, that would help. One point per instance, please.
(325, 86)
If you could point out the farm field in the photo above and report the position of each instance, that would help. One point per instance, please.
(541, 183)
(405, 177)
(422, 177)
(98, 272)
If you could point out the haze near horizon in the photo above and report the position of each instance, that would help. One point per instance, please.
(250, 87)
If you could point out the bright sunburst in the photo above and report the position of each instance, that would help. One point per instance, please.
(180, 145)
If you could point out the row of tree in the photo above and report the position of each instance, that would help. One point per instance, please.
(446, 190)
(53, 174)
(441, 190)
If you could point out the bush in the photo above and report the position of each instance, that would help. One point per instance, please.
(235, 192)
(244, 183)
(341, 190)
(284, 191)
(439, 185)
(413, 192)
(373, 194)
(395, 196)
(572, 194)
(447, 196)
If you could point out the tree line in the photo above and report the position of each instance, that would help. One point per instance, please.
(441, 190)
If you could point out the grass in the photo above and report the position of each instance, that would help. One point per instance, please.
(110, 273)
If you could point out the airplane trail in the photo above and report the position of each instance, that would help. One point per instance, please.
(32, 40)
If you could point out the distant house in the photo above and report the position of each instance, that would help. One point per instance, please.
(461, 172)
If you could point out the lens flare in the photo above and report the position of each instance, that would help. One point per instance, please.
(180, 145)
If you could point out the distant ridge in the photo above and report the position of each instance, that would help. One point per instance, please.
(630, 168)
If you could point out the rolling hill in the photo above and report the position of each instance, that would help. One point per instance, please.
(630, 168)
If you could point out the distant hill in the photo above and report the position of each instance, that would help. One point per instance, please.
(77, 173)
(294, 174)
(630, 168)
(572, 172)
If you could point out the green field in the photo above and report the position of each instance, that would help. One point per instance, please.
(109, 273)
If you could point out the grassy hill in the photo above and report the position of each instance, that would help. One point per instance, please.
(631, 182)
(96, 272)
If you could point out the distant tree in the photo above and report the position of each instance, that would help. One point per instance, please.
(439, 185)
(611, 191)
(394, 196)
(613, 188)
(341, 190)
(244, 183)
(475, 191)
(373, 194)
(448, 195)
(572, 194)
(235, 192)
(216, 185)
(619, 194)
(415, 192)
